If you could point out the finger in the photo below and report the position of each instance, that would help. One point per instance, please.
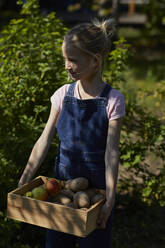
(102, 225)
(101, 220)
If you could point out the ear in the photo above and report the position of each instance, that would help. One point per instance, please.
(97, 60)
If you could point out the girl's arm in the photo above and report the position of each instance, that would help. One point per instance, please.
(112, 163)
(40, 148)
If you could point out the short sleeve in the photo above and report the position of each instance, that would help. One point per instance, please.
(116, 105)
(58, 97)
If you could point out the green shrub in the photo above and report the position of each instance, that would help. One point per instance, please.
(31, 69)
(142, 133)
(155, 19)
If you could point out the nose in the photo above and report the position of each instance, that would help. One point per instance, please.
(67, 65)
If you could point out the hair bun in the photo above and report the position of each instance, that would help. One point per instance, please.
(107, 26)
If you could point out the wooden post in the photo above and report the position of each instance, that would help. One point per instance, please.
(131, 9)
(115, 4)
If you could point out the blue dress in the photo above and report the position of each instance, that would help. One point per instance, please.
(82, 129)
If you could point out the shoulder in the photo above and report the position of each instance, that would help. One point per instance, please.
(58, 96)
(115, 95)
(61, 91)
(116, 104)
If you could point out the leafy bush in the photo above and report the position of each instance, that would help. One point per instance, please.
(142, 133)
(155, 18)
(31, 69)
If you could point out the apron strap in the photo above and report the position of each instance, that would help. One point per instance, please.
(106, 91)
(70, 91)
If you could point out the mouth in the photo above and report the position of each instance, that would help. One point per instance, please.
(72, 74)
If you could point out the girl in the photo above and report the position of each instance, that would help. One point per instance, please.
(87, 115)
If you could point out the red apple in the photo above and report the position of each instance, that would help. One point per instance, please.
(52, 186)
(40, 193)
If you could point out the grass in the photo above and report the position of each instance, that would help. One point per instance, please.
(137, 225)
(145, 91)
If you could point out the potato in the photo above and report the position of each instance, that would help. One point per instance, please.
(62, 199)
(96, 198)
(91, 192)
(77, 184)
(67, 193)
(81, 200)
(67, 184)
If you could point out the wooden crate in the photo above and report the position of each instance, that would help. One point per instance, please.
(78, 222)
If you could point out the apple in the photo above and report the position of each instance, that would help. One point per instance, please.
(28, 194)
(52, 186)
(40, 193)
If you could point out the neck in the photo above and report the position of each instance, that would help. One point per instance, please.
(91, 88)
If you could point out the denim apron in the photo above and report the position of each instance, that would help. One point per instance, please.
(82, 130)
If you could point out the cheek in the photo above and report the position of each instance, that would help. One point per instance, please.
(78, 66)
(71, 66)
(75, 67)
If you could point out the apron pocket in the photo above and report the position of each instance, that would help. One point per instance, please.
(67, 171)
(97, 176)
(93, 157)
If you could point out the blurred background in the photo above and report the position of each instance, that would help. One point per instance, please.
(131, 12)
(132, 15)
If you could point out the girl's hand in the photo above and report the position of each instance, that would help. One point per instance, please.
(22, 182)
(26, 177)
(104, 214)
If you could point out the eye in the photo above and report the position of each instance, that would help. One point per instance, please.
(73, 60)
(70, 60)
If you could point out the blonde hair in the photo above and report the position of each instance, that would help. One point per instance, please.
(93, 38)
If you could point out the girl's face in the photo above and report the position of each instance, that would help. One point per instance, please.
(78, 64)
